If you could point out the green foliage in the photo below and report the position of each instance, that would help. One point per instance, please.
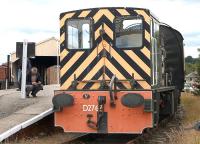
(197, 66)
(192, 64)
(197, 69)
(189, 60)
(189, 68)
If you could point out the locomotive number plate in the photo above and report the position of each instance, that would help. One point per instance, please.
(91, 107)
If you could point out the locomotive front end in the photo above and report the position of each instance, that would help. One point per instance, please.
(106, 72)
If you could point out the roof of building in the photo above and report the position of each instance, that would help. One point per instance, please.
(46, 40)
(47, 47)
(2, 66)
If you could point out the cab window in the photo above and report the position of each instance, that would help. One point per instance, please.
(78, 34)
(129, 32)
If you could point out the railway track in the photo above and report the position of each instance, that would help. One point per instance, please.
(164, 134)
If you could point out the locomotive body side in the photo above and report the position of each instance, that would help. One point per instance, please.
(111, 75)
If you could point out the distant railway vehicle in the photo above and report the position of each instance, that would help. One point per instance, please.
(122, 71)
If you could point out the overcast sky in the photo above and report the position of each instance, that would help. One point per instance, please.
(37, 20)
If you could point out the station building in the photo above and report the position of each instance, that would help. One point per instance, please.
(46, 60)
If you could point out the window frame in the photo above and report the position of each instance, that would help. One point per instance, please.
(129, 18)
(91, 34)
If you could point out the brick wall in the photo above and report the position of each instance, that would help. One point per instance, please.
(2, 73)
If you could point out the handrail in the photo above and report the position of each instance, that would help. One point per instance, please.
(118, 81)
(111, 84)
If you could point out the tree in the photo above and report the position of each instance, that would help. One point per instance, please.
(189, 68)
(198, 64)
(197, 83)
(189, 59)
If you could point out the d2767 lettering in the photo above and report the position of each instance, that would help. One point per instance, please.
(91, 108)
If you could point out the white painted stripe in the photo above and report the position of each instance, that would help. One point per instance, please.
(25, 124)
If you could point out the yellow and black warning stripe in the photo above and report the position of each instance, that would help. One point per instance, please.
(89, 64)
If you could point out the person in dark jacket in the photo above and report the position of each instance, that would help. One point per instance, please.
(33, 82)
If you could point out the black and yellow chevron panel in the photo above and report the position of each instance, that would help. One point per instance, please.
(91, 64)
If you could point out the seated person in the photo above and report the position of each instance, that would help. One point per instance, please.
(33, 82)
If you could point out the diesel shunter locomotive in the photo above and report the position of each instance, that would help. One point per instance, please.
(121, 71)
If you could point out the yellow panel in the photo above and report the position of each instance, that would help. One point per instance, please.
(62, 38)
(123, 12)
(124, 64)
(143, 13)
(139, 62)
(62, 21)
(109, 15)
(97, 16)
(102, 12)
(144, 84)
(117, 73)
(84, 13)
(106, 77)
(108, 31)
(89, 76)
(70, 62)
(63, 54)
(146, 52)
(97, 34)
(147, 36)
(81, 68)
(97, 85)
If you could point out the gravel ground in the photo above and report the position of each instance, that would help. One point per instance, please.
(59, 138)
